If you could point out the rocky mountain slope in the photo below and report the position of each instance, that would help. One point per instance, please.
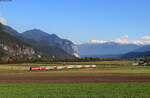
(12, 44)
(13, 47)
(50, 51)
(52, 40)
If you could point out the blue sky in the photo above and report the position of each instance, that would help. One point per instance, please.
(81, 20)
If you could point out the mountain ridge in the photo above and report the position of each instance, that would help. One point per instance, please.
(53, 40)
(47, 50)
(12, 47)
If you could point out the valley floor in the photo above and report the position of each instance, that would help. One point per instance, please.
(106, 71)
(111, 79)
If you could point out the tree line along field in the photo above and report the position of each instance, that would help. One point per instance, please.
(111, 79)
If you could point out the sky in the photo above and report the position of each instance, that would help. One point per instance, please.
(81, 20)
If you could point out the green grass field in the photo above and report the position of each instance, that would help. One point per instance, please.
(103, 90)
(102, 67)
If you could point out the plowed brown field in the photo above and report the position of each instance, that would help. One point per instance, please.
(72, 78)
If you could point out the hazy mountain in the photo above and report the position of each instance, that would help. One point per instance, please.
(52, 40)
(110, 49)
(136, 54)
(142, 51)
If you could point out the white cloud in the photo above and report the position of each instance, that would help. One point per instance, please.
(145, 40)
(3, 20)
(99, 41)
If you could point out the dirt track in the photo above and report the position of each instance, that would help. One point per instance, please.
(72, 78)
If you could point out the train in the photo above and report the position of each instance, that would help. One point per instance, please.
(61, 67)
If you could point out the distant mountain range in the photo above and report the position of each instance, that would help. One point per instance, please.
(113, 50)
(23, 45)
(110, 49)
(140, 52)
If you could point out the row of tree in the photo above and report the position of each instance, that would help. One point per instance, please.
(52, 60)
